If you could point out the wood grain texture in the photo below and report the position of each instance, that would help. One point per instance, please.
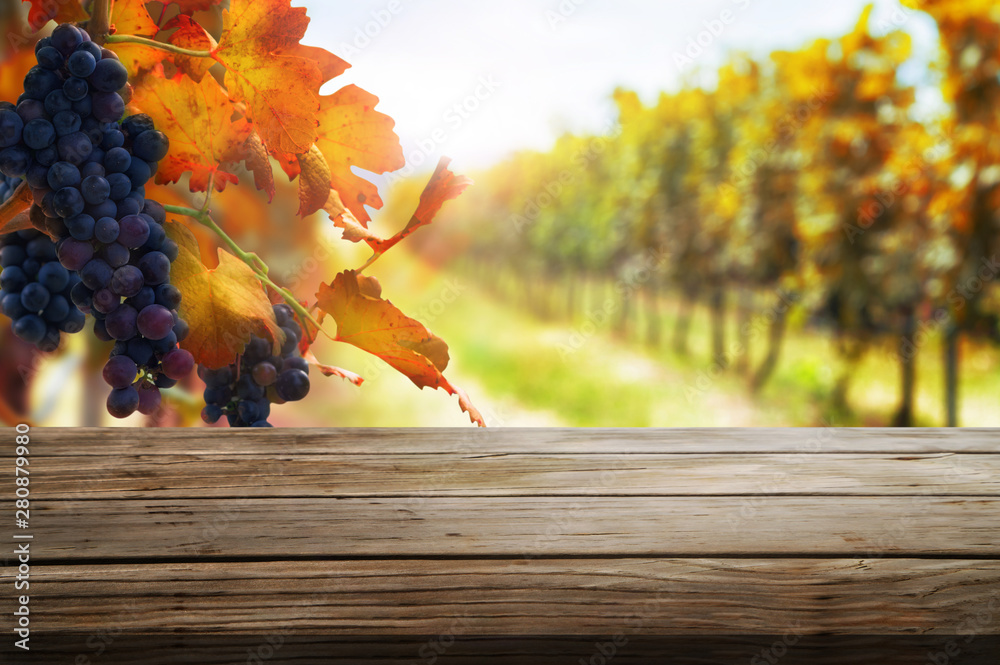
(518, 527)
(107, 443)
(545, 533)
(551, 597)
(514, 474)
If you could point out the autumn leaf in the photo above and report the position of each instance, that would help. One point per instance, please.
(129, 17)
(14, 211)
(192, 6)
(443, 186)
(314, 188)
(224, 306)
(281, 91)
(330, 65)
(329, 370)
(256, 159)
(368, 322)
(60, 11)
(353, 133)
(190, 35)
(197, 118)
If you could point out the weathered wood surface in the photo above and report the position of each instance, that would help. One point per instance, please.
(531, 532)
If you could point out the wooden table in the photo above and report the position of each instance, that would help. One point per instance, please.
(482, 546)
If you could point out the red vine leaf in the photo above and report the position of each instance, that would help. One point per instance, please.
(368, 322)
(130, 17)
(190, 35)
(43, 11)
(329, 370)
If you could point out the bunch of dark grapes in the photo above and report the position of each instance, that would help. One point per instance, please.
(244, 391)
(87, 175)
(35, 290)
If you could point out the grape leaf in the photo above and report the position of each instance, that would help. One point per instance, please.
(197, 117)
(190, 35)
(353, 133)
(368, 322)
(60, 11)
(130, 17)
(223, 306)
(330, 65)
(192, 6)
(256, 159)
(329, 370)
(443, 186)
(281, 91)
(314, 188)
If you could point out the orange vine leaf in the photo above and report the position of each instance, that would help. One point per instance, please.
(375, 325)
(281, 91)
(224, 306)
(190, 35)
(130, 17)
(353, 133)
(197, 118)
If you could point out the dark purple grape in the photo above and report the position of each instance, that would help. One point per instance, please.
(30, 328)
(155, 211)
(117, 160)
(122, 323)
(155, 322)
(116, 255)
(13, 279)
(95, 190)
(112, 139)
(292, 385)
(155, 268)
(81, 227)
(211, 414)
(127, 206)
(127, 281)
(133, 231)
(39, 134)
(82, 296)
(120, 186)
(149, 399)
(81, 64)
(50, 58)
(106, 230)
(31, 109)
(35, 297)
(11, 127)
(68, 202)
(105, 301)
(134, 125)
(66, 122)
(120, 372)
(151, 146)
(66, 38)
(76, 89)
(143, 299)
(54, 277)
(75, 148)
(108, 106)
(39, 82)
(14, 162)
(177, 364)
(74, 254)
(264, 374)
(140, 350)
(56, 102)
(139, 173)
(123, 402)
(92, 168)
(96, 274)
(57, 309)
(109, 75)
(63, 174)
(74, 322)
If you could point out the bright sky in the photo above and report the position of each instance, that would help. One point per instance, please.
(477, 80)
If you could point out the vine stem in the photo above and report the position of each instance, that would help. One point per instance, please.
(100, 21)
(133, 39)
(255, 263)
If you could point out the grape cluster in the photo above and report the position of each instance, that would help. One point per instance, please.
(87, 175)
(244, 391)
(35, 290)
